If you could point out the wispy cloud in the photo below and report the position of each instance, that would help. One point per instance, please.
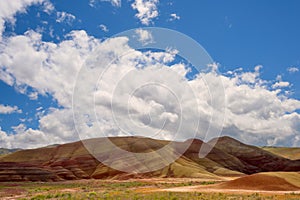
(103, 27)
(116, 3)
(65, 17)
(293, 69)
(174, 16)
(6, 109)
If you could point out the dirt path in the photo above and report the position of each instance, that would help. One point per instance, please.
(211, 189)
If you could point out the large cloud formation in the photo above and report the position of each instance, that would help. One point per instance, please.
(257, 111)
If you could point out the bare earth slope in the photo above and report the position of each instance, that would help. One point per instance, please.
(72, 161)
(260, 181)
(292, 153)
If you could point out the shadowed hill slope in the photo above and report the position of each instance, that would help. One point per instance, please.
(254, 158)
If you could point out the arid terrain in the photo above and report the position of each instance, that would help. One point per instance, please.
(156, 188)
(232, 170)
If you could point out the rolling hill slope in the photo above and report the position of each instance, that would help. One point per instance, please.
(254, 158)
(292, 153)
(4, 151)
(267, 181)
(72, 161)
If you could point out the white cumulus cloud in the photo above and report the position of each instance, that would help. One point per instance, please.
(28, 61)
(149, 96)
(146, 10)
(144, 36)
(281, 84)
(9, 9)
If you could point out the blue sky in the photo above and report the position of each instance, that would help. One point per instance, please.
(236, 34)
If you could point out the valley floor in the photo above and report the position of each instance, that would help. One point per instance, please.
(156, 188)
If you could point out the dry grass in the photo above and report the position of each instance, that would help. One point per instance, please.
(130, 189)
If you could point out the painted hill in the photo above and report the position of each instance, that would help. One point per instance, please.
(268, 181)
(254, 158)
(292, 153)
(72, 161)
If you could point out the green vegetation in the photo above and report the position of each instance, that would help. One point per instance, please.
(151, 196)
(135, 189)
(164, 196)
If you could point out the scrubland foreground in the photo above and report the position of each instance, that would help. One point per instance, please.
(232, 170)
(179, 188)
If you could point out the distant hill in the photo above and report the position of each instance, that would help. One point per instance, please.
(292, 153)
(254, 158)
(4, 151)
(72, 161)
